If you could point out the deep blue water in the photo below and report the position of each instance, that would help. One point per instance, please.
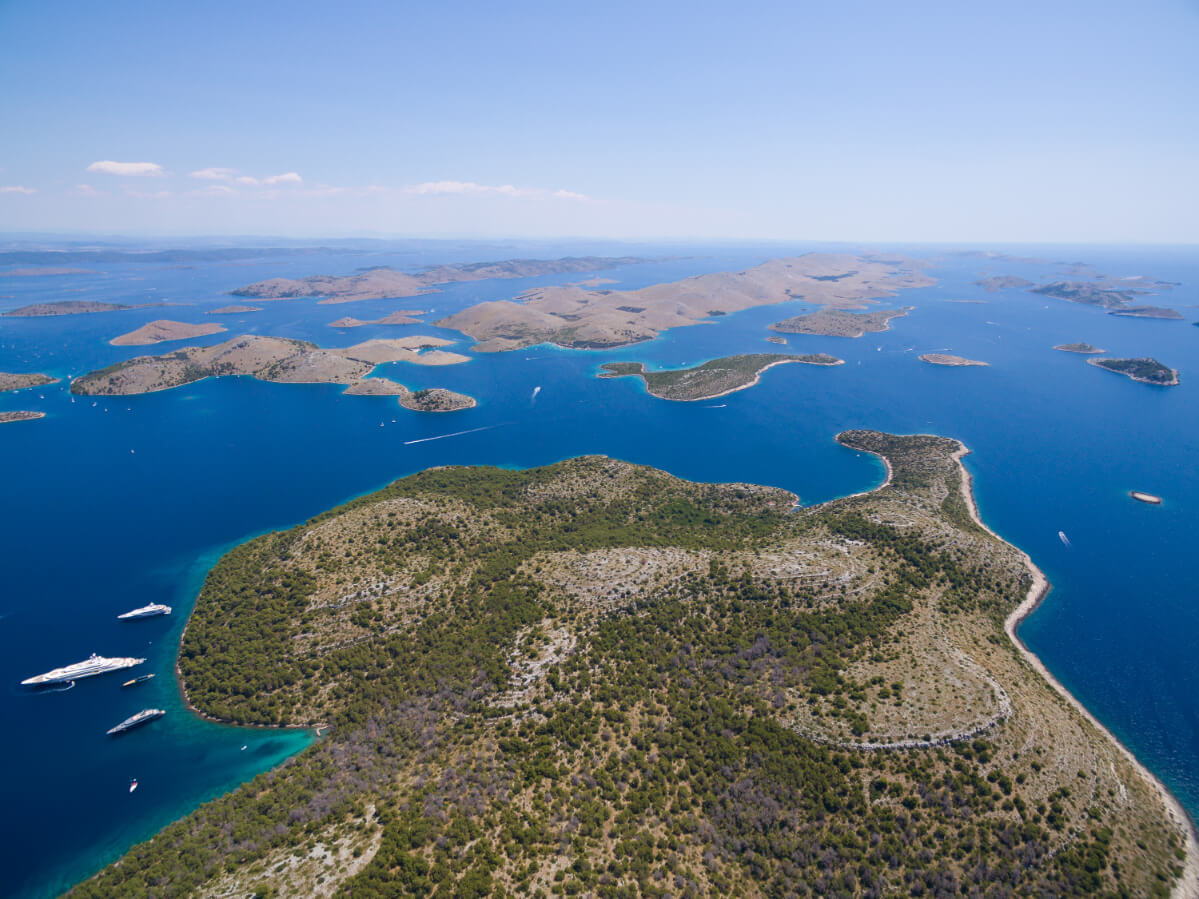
(128, 501)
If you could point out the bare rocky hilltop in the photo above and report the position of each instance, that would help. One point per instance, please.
(163, 330)
(383, 282)
(18, 381)
(573, 316)
(266, 358)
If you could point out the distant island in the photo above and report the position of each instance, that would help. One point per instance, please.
(163, 330)
(1145, 370)
(14, 381)
(1117, 296)
(384, 282)
(7, 417)
(778, 340)
(233, 310)
(950, 360)
(574, 317)
(596, 679)
(277, 359)
(1003, 282)
(712, 379)
(48, 270)
(1078, 348)
(840, 323)
(399, 317)
(74, 307)
(433, 399)
(1148, 312)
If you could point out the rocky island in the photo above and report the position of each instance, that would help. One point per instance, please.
(950, 360)
(995, 283)
(575, 317)
(16, 381)
(383, 282)
(74, 307)
(399, 317)
(595, 678)
(233, 310)
(433, 399)
(1117, 296)
(162, 330)
(712, 379)
(1084, 348)
(1145, 370)
(840, 323)
(267, 358)
(22, 415)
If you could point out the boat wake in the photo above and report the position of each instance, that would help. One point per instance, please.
(721, 406)
(455, 434)
(63, 689)
(536, 390)
(1061, 535)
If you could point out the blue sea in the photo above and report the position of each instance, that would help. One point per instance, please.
(113, 503)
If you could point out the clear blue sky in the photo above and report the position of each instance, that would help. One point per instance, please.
(1013, 121)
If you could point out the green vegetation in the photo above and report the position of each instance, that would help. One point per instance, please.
(594, 678)
(712, 379)
(1145, 370)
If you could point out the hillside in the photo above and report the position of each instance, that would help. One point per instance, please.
(595, 678)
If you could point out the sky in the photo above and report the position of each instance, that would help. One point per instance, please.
(1019, 121)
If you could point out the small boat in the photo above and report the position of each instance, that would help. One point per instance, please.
(154, 608)
(1061, 535)
(243, 749)
(137, 680)
(132, 784)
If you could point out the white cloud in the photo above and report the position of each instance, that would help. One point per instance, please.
(214, 174)
(86, 190)
(108, 167)
(232, 176)
(214, 190)
(17, 189)
(434, 188)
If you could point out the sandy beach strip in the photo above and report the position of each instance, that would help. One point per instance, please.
(1187, 886)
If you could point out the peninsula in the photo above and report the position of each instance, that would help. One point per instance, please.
(163, 330)
(267, 358)
(7, 417)
(233, 310)
(950, 360)
(74, 307)
(712, 379)
(596, 678)
(1145, 370)
(384, 282)
(399, 317)
(840, 323)
(575, 317)
(1085, 348)
(17, 381)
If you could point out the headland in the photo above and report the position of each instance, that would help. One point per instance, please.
(950, 360)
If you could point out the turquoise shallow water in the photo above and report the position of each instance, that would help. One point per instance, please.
(128, 501)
